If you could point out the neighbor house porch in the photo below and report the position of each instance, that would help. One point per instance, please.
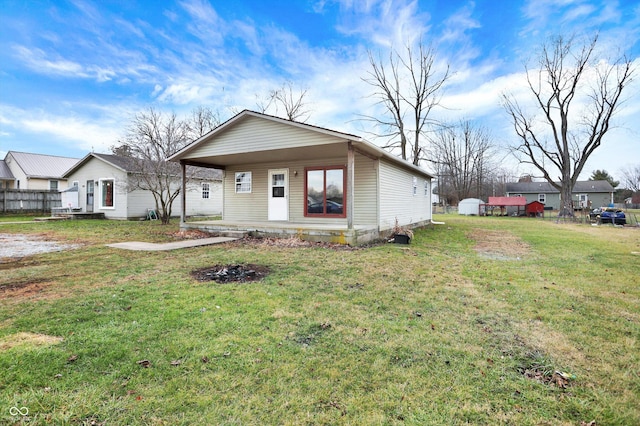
(330, 233)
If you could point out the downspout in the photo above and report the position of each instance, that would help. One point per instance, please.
(183, 194)
(431, 206)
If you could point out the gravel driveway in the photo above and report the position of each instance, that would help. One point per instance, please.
(20, 245)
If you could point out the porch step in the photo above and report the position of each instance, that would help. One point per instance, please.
(233, 234)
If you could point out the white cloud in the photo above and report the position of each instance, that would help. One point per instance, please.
(36, 60)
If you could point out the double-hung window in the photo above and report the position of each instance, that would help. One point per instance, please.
(243, 182)
(542, 198)
(324, 190)
(205, 190)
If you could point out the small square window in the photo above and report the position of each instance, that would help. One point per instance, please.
(243, 182)
(542, 198)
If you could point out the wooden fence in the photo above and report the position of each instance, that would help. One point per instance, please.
(29, 201)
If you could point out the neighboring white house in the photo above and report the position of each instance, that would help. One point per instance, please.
(34, 171)
(287, 178)
(471, 206)
(101, 181)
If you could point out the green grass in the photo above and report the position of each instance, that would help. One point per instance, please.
(432, 333)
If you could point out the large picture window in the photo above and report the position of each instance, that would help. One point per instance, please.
(106, 193)
(324, 188)
(243, 182)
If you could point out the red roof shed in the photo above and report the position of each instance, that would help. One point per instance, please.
(507, 201)
(534, 208)
(503, 202)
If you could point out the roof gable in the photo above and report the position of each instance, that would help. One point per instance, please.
(5, 171)
(128, 165)
(250, 132)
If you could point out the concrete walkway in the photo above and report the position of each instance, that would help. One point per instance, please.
(141, 246)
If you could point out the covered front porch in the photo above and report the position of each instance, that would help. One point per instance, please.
(329, 233)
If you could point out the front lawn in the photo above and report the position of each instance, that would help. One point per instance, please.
(490, 320)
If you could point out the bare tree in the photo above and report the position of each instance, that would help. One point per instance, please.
(202, 121)
(150, 139)
(285, 102)
(463, 156)
(409, 88)
(631, 178)
(294, 105)
(563, 139)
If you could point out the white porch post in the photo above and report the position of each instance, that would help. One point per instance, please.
(183, 193)
(350, 184)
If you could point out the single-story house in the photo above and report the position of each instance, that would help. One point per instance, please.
(284, 178)
(34, 171)
(585, 194)
(101, 181)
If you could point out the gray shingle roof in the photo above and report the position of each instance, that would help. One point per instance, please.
(128, 165)
(42, 166)
(585, 186)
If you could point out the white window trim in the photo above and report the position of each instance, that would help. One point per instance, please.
(415, 186)
(206, 190)
(542, 198)
(100, 206)
(426, 188)
(238, 185)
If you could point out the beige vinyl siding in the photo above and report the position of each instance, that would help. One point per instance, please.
(256, 134)
(397, 199)
(253, 206)
(365, 205)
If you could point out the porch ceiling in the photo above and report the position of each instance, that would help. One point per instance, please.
(275, 155)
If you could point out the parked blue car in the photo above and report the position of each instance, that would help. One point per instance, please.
(608, 215)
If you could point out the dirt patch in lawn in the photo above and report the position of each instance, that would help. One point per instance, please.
(28, 340)
(223, 274)
(498, 245)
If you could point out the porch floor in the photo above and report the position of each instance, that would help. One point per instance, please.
(332, 233)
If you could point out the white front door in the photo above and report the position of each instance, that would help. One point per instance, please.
(279, 194)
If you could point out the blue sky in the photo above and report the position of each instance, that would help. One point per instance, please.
(73, 73)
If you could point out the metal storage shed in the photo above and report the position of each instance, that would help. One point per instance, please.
(471, 206)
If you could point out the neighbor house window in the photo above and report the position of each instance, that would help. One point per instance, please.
(205, 190)
(107, 187)
(542, 198)
(243, 182)
(426, 188)
(324, 190)
(53, 185)
(415, 186)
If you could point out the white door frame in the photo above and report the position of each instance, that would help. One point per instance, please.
(278, 196)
